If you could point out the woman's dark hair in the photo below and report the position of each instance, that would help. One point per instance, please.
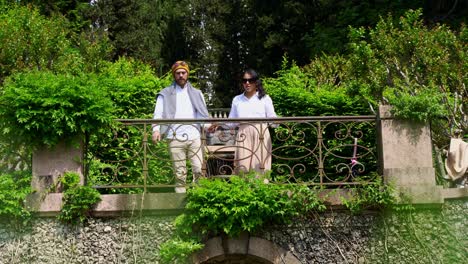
(258, 82)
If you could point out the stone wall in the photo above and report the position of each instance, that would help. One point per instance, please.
(426, 235)
(100, 240)
(431, 235)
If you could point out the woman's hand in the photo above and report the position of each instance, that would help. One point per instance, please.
(213, 128)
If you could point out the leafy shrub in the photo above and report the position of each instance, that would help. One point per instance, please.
(77, 200)
(14, 188)
(419, 107)
(418, 69)
(295, 93)
(42, 108)
(230, 207)
(132, 86)
(29, 40)
(243, 204)
(70, 180)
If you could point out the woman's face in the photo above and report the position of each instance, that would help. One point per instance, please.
(249, 83)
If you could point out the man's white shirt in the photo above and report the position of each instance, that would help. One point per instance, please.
(184, 110)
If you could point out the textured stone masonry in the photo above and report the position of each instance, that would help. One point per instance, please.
(431, 235)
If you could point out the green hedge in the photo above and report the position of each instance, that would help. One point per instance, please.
(42, 108)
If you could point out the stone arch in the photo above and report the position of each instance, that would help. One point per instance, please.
(244, 249)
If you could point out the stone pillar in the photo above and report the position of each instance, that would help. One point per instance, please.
(405, 152)
(48, 164)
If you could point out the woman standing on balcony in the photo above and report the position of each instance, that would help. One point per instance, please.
(253, 142)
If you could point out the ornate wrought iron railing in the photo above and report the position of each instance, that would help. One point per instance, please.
(325, 151)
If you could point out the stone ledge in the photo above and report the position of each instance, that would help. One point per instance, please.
(113, 204)
(407, 177)
(422, 194)
(150, 203)
(173, 203)
(455, 193)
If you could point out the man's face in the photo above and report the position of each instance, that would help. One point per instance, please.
(181, 77)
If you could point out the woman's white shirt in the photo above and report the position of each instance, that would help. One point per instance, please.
(243, 107)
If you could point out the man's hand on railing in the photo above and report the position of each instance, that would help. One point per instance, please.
(156, 136)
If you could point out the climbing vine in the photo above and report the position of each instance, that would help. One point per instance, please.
(77, 200)
(375, 194)
(229, 207)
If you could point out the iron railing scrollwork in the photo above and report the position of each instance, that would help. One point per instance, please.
(325, 151)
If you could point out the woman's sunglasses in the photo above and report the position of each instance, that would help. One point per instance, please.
(250, 80)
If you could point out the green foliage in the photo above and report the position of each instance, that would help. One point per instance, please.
(41, 108)
(369, 195)
(14, 187)
(420, 107)
(327, 70)
(132, 87)
(295, 93)
(421, 71)
(70, 180)
(74, 10)
(404, 203)
(77, 200)
(230, 207)
(14, 158)
(243, 204)
(29, 40)
(177, 250)
(94, 49)
(105, 150)
(142, 29)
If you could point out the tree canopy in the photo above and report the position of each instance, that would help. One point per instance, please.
(374, 51)
(220, 38)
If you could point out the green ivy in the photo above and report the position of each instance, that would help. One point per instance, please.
(230, 207)
(77, 200)
(369, 195)
(69, 180)
(132, 87)
(41, 108)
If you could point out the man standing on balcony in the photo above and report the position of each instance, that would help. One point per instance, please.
(181, 100)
